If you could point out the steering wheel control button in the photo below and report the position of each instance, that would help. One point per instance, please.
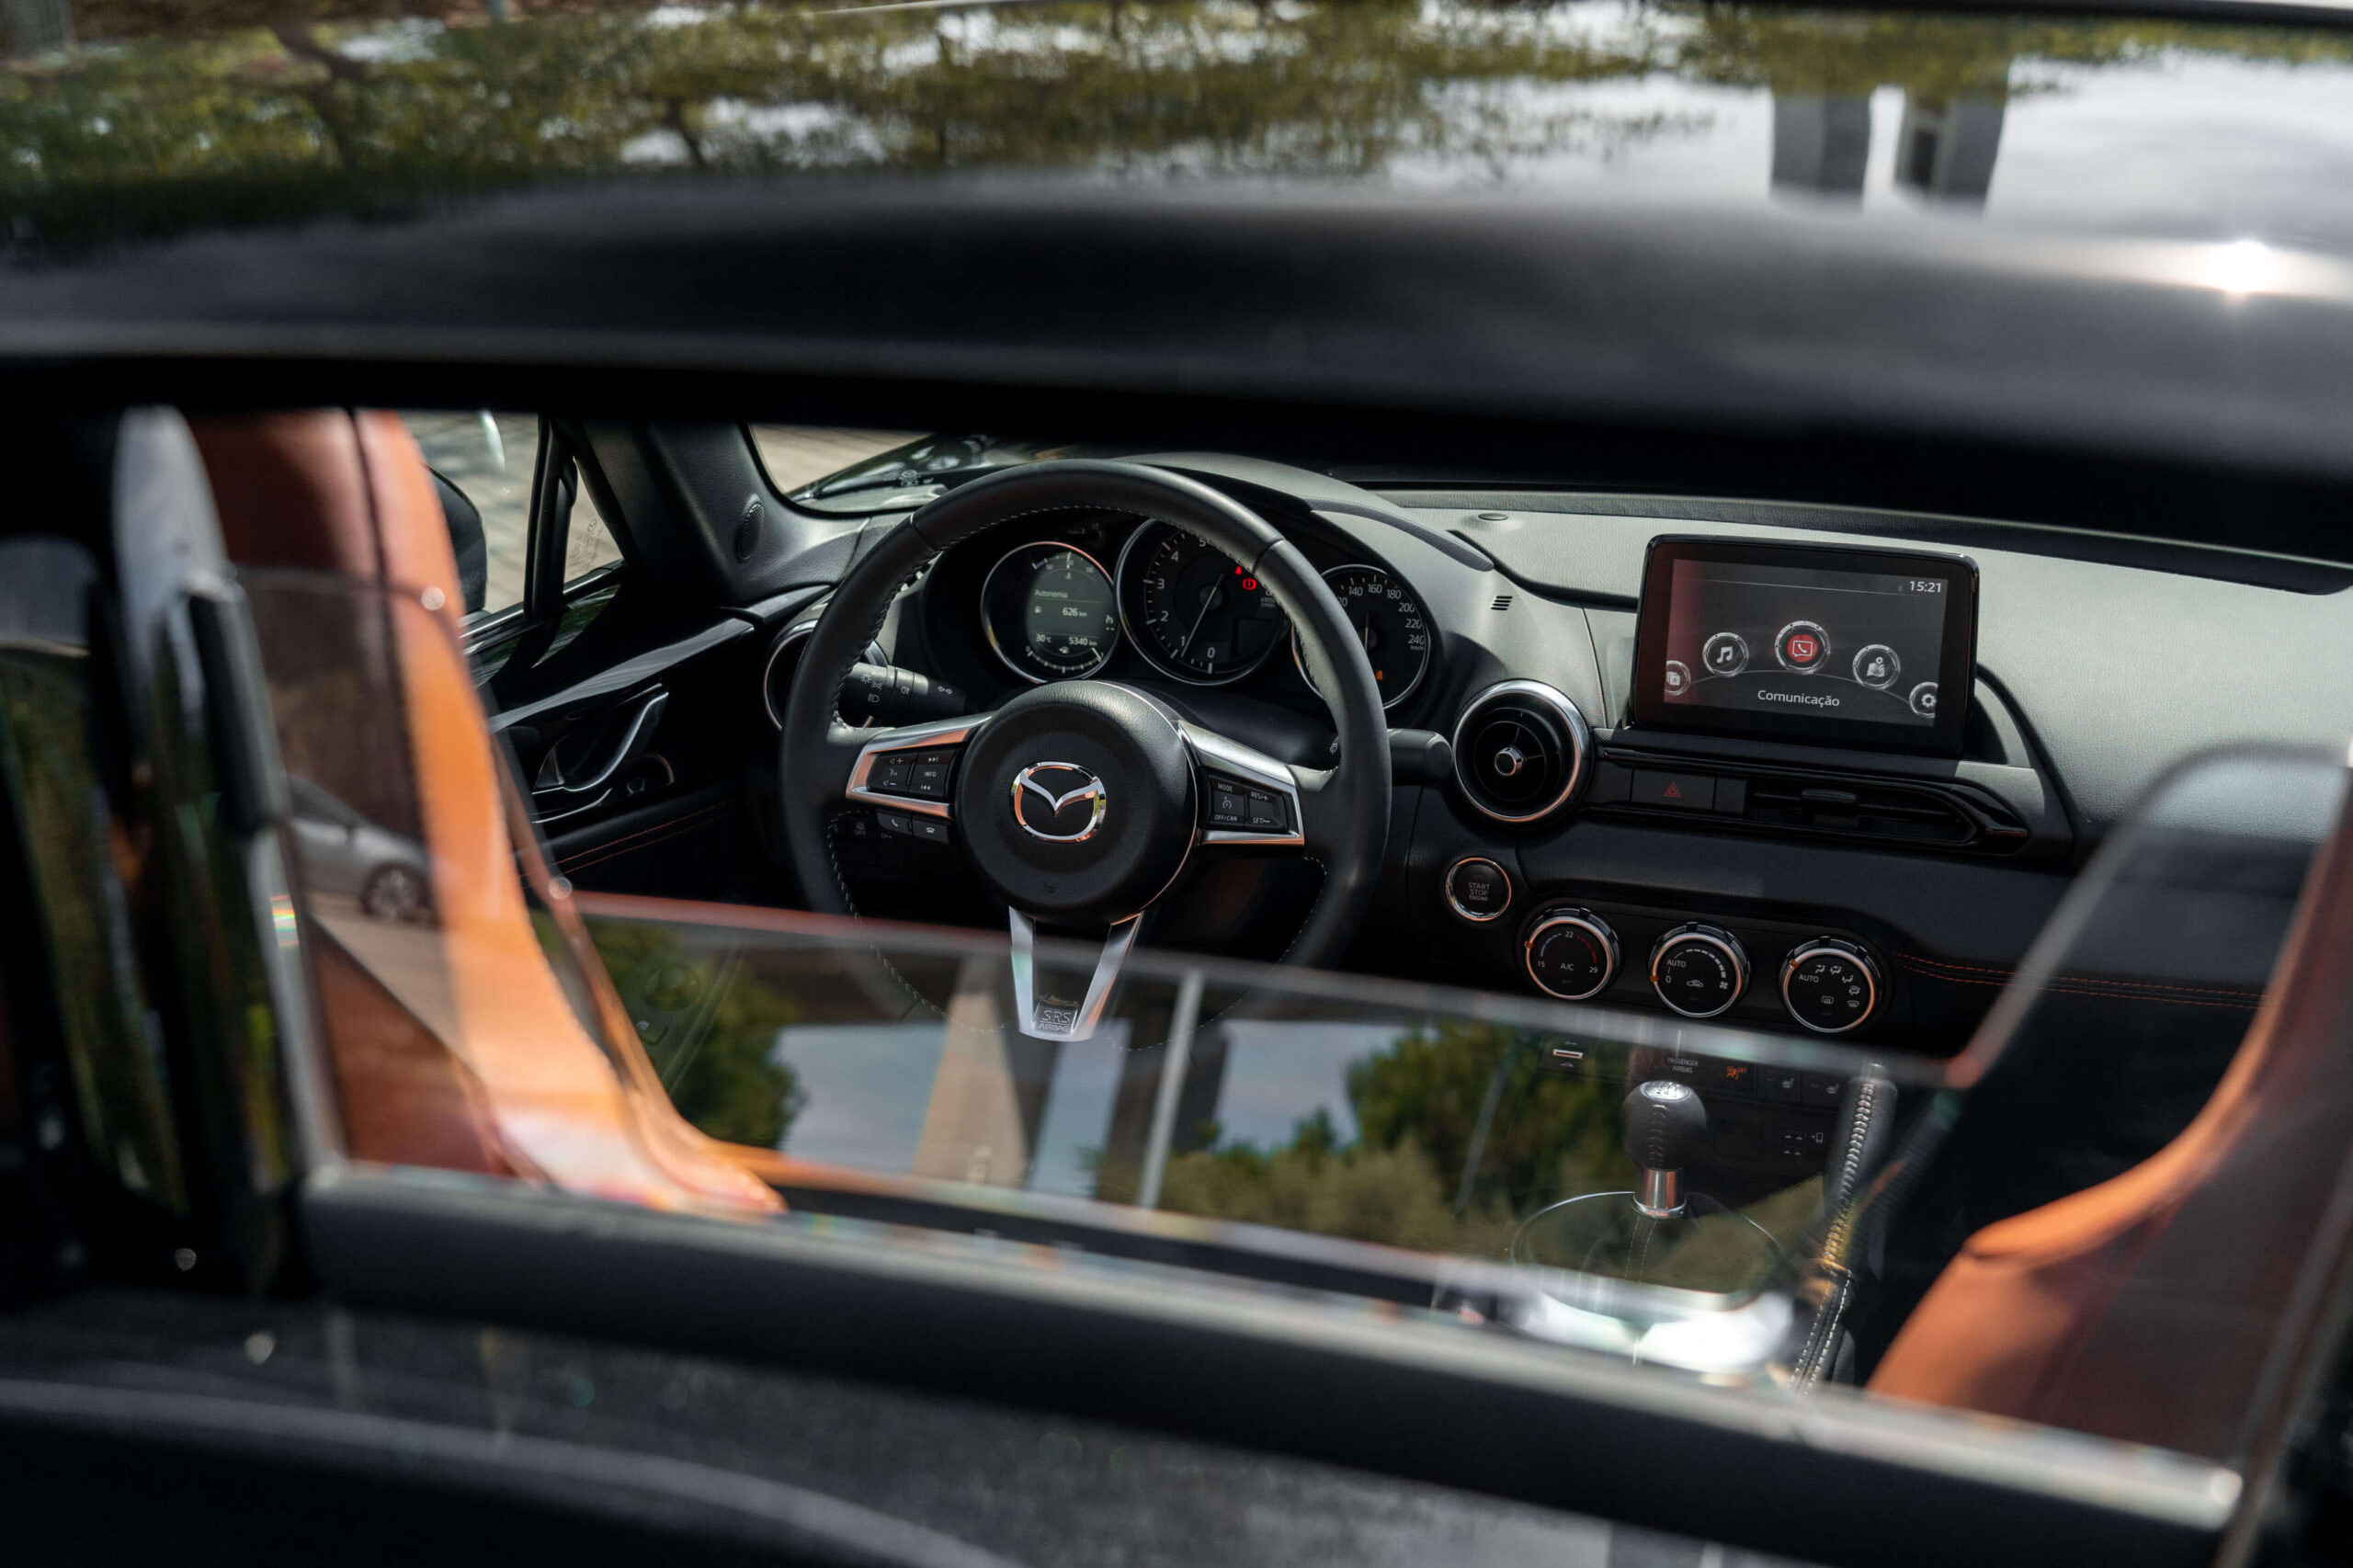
(912, 775)
(1242, 807)
(1830, 986)
(1698, 970)
(1803, 647)
(1924, 699)
(905, 824)
(1477, 889)
(1876, 666)
(1571, 954)
(1726, 654)
(1679, 678)
(1675, 791)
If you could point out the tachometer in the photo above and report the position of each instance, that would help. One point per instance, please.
(1049, 612)
(1194, 612)
(1390, 623)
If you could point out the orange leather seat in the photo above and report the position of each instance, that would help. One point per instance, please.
(2155, 1307)
(475, 1058)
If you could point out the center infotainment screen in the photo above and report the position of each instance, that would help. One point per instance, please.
(1853, 646)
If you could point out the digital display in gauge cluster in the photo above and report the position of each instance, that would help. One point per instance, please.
(1049, 612)
(1802, 642)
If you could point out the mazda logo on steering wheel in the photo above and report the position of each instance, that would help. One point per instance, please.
(1058, 802)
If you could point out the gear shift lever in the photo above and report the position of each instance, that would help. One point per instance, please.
(1664, 1123)
(1662, 1234)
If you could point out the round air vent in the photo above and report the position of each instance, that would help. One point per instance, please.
(1520, 751)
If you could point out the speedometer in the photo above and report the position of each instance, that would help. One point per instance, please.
(1049, 612)
(1192, 611)
(1388, 620)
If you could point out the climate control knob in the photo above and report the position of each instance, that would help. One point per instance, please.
(1830, 986)
(1570, 953)
(1698, 970)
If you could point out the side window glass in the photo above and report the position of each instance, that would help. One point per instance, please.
(589, 545)
(484, 462)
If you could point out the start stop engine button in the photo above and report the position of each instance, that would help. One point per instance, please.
(1477, 889)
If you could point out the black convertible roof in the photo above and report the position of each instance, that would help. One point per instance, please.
(2087, 270)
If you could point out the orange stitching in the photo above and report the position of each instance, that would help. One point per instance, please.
(598, 854)
(2245, 1001)
(586, 861)
(1928, 967)
(2245, 1004)
(664, 826)
(1946, 963)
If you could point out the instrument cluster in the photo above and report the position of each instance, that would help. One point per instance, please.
(1050, 610)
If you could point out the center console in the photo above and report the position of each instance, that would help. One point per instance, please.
(1717, 839)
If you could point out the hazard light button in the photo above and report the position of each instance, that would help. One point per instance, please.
(1678, 791)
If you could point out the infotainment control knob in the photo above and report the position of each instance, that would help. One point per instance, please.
(1570, 953)
(1698, 970)
(1830, 986)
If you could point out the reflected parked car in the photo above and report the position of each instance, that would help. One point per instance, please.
(343, 853)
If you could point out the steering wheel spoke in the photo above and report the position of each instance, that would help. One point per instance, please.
(1247, 799)
(909, 769)
(1046, 1014)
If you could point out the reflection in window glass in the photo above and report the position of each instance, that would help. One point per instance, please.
(490, 458)
(589, 543)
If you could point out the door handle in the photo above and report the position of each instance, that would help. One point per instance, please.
(625, 732)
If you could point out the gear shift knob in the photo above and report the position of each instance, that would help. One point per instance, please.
(1664, 1123)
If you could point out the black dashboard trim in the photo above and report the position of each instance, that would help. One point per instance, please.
(1265, 484)
(2222, 563)
(1584, 598)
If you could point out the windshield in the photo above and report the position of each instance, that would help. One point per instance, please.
(904, 474)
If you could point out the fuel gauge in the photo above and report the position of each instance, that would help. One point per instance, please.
(1389, 622)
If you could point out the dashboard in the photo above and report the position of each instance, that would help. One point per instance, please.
(1572, 819)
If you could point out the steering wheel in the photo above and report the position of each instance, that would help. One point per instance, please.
(1080, 803)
